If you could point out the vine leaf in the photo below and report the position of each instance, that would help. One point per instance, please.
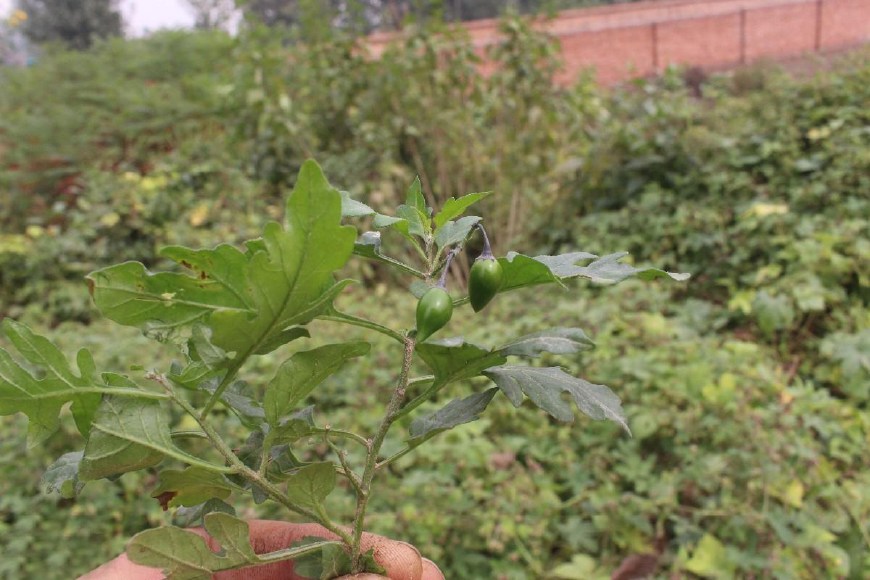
(544, 387)
(308, 486)
(249, 298)
(555, 341)
(41, 397)
(456, 412)
(301, 373)
(454, 359)
(191, 486)
(184, 555)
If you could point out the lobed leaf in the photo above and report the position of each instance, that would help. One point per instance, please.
(308, 486)
(62, 476)
(249, 299)
(555, 341)
(42, 398)
(544, 387)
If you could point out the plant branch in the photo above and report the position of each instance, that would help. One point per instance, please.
(393, 408)
(246, 472)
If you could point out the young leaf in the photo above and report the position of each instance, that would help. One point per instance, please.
(556, 341)
(310, 485)
(415, 211)
(353, 208)
(248, 299)
(41, 399)
(456, 412)
(62, 476)
(455, 232)
(544, 387)
(302, 372)
(192, 486)
(456, 207)
(369, 246)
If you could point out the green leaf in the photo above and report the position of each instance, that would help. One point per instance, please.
(62, 476)
(602, 270)
(456, 412)
(192, 486)
(521, 271)
(454, 359)
(248, 299)
(369, 246)
(556, 341)
(301, 373)
(184, 555)
(544, 387)
(329, 562)
(193, 516)
(129, 434)
(310, 485)
(353, 208)
(455, 232)
(42, 398)
(239, 399)
(456, 207)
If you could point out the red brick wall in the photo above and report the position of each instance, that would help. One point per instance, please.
(628, 40)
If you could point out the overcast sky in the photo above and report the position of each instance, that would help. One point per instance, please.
(142, 15)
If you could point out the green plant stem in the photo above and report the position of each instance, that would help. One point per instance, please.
(252, 476)
(371, 459)
(363, 323)
(342, 434)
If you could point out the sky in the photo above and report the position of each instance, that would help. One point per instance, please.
(142, 16)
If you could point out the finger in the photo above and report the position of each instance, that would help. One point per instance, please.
(431, 571)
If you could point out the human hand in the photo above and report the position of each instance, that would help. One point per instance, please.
(402, 561)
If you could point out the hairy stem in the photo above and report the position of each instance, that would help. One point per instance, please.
(372, 457)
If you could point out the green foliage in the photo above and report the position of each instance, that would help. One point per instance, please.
(236, 305)
(77, 25)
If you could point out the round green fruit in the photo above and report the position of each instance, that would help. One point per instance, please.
(433, 311)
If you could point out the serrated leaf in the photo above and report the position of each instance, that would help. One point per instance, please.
(129, 434)
(544, 387)
(456, 412)
(555, 341)
(62, 476)
(455, 232)
(310, 485)
(42, 398)
(184, 555)
(248, 299)
(301, 373)
(456, 207)
(192, 486)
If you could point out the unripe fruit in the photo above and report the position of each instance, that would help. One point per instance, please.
(484, 282)
(433, 311)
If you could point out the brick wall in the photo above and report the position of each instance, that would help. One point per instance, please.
(628, 40)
